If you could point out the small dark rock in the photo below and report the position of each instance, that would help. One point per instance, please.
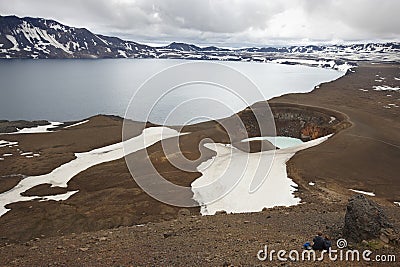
(168, 234)
(220, 212)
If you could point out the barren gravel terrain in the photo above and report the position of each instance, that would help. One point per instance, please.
(112, 222)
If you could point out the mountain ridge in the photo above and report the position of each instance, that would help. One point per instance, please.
(46, 38)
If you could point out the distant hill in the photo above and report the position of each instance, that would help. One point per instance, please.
(42, 38)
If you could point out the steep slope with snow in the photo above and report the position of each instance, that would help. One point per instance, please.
(42, 38)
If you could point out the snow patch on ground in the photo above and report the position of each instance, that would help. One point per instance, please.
(76, 124)
(385, 88)
(59, 197)
(4, 143)
(258, 183)
(61, 175)
(122, 53)
(38, 129)
(278, 141)
(43, 37)
(53, 41)
(363, 192)
(344, 67)
(13, 41)
(57, 27)
(315, 63)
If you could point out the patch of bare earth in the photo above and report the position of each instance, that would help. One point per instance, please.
(101, 225)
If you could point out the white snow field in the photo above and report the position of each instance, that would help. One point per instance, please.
(235, 181)
(61, 175)
(38, 129)
(321, 63)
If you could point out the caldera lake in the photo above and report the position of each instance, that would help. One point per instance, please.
(67, 90)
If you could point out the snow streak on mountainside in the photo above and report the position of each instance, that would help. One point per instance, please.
(42, 38)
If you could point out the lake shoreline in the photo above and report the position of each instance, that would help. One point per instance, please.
(351, 159)
(106, 87)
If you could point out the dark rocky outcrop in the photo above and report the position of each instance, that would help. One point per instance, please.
(13, 126)
(366, 220)
(293, 120)
(312, 131)
(306, 122)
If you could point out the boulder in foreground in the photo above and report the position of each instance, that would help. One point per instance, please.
(366, 220)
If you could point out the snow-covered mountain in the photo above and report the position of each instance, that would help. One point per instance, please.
(42, 38)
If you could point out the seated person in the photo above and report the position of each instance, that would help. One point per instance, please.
(328, 242)
(319, 242)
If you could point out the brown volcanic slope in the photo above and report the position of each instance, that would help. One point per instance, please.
(58, 147)
(220, 240)
(366, 155)
(108, 197)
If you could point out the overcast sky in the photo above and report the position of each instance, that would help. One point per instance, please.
(223, 22)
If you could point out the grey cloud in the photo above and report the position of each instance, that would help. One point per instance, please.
(216, 16)
(223, 21)
(374, 18)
